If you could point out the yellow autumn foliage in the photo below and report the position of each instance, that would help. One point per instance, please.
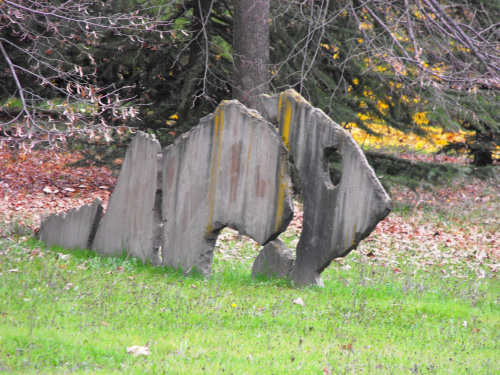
(392, 138)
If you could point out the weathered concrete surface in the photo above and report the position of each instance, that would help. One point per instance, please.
(275, 259)
(336, 217)
(231, 170)
(133, 218)
(75, 228)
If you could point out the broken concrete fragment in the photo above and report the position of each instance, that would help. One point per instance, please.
(231, 170)
(75, 228)
(275, 259)
(132, 221)
(337, 214)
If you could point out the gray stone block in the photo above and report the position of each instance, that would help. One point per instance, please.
(75, 228)
(337, 214)
(231, 170)
(132, 221)
(275, 259)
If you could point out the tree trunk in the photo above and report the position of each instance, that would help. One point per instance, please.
(481, 147)
(251, 50)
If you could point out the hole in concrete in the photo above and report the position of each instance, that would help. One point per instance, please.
(333, 165)
(231, 247)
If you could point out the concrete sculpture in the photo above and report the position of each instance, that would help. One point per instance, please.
(336, 216)
(231, 170)
(132, 223)
(274, 260)
(75, 228)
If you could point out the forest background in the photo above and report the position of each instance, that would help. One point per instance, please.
(98, 69)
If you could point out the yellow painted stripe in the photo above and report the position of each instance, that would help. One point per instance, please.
(353, 234)
(285, 122)
(215, 166)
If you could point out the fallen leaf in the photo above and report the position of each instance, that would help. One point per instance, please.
(347, 347)
(138, 350)
(49, 190)
(82, 266)
(494, 267)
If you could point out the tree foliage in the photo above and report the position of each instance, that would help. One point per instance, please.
(407, 64)
(49, 64)
(404, 63)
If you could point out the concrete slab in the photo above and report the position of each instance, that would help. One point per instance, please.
(75, 228)
(231, 170)
(132, 223)
(337, 214)
(274, 260)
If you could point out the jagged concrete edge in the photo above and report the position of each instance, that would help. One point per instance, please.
(261, 267)
(96, 222)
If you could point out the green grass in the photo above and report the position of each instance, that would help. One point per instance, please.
(78, 314)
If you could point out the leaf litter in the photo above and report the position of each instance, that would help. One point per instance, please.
(42, 182)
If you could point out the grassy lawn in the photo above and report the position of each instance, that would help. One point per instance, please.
(421, 295)
(384, 309)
